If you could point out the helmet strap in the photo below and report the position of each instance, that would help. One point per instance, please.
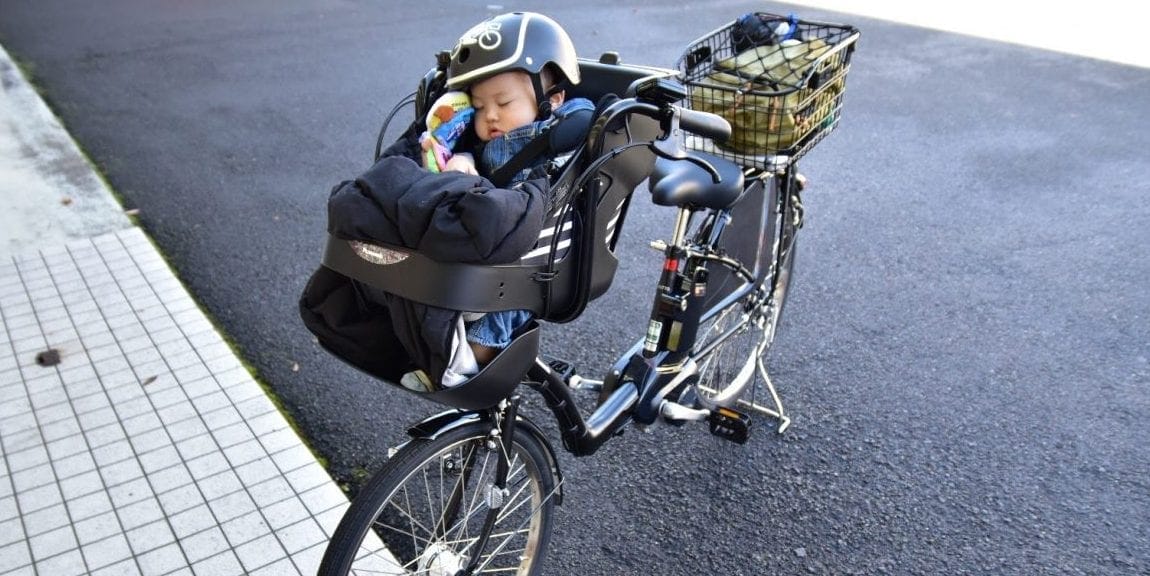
(542, 97)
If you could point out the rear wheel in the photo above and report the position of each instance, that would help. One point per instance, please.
(790, 224)
(730, 344)
(733, 341)
(423, 513)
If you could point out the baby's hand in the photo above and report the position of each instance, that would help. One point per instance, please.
(462, 163)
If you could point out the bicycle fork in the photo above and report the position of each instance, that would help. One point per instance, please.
(497, 492)
(502, 441)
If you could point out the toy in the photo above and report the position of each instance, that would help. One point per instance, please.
(446, 121)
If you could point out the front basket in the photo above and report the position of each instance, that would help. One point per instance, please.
(779, 81)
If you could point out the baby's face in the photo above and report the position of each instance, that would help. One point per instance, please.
(503, 103)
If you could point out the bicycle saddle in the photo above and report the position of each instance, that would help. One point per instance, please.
(684, 184)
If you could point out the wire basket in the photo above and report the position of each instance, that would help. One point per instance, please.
(778, 80)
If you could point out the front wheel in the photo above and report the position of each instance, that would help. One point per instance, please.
(423, 512)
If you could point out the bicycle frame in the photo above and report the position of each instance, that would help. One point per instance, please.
(641, 380)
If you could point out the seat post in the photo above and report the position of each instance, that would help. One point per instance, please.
(681, 223)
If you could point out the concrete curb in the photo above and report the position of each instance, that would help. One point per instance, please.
(51, 193)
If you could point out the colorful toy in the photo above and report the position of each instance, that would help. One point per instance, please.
(446, 121)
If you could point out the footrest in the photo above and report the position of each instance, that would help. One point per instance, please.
(496, 381)
(730, 424)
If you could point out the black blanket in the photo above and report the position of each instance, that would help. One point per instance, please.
(449, 217)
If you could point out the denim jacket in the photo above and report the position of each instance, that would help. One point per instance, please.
(499, 151)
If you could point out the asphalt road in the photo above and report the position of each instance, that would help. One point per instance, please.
(965, 352)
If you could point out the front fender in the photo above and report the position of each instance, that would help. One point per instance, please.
(437, 425)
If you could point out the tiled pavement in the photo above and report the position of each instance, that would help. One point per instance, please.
(148, 448)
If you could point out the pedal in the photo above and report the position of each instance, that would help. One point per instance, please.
(563, 368)
(566, 371)
(730, 424)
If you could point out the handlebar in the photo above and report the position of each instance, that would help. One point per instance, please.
(704, 124)
(664, 92)
(655, 98)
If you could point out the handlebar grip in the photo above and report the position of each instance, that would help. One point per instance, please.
(704, 124)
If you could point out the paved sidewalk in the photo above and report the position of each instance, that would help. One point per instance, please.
(132, 440)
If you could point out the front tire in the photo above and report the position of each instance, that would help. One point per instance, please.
(422, 513)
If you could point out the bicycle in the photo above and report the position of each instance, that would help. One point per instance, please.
(474, 488)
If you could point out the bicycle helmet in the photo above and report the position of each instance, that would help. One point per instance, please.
(524, 41)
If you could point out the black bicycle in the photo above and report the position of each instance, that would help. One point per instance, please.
(717, 138)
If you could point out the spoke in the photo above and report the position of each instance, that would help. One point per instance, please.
(502, 549)
(479, 481)
(406, 514)
(480, 487)
(387, 573)
(452, 542)
(473, 507)
(411, 519)
(521, 497)
(510, 533)
(459, 486)
(484, 565)
(387, 559)
(398, 530)
(727, 332)
(522, 483)
(455, 484)
(423, 473)
(521, 528)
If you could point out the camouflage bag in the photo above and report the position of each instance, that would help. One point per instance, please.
(773, 96)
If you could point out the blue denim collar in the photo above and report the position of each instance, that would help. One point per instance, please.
(499, 151)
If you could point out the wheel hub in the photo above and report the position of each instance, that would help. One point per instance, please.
(439, 560)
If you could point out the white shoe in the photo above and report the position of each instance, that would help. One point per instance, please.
(417, 381)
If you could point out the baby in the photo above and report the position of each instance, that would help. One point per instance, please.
(515, 69)
(506, 120)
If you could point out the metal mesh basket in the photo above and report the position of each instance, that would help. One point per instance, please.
(778, 80)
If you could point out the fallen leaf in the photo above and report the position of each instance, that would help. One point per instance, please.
(49, 357)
